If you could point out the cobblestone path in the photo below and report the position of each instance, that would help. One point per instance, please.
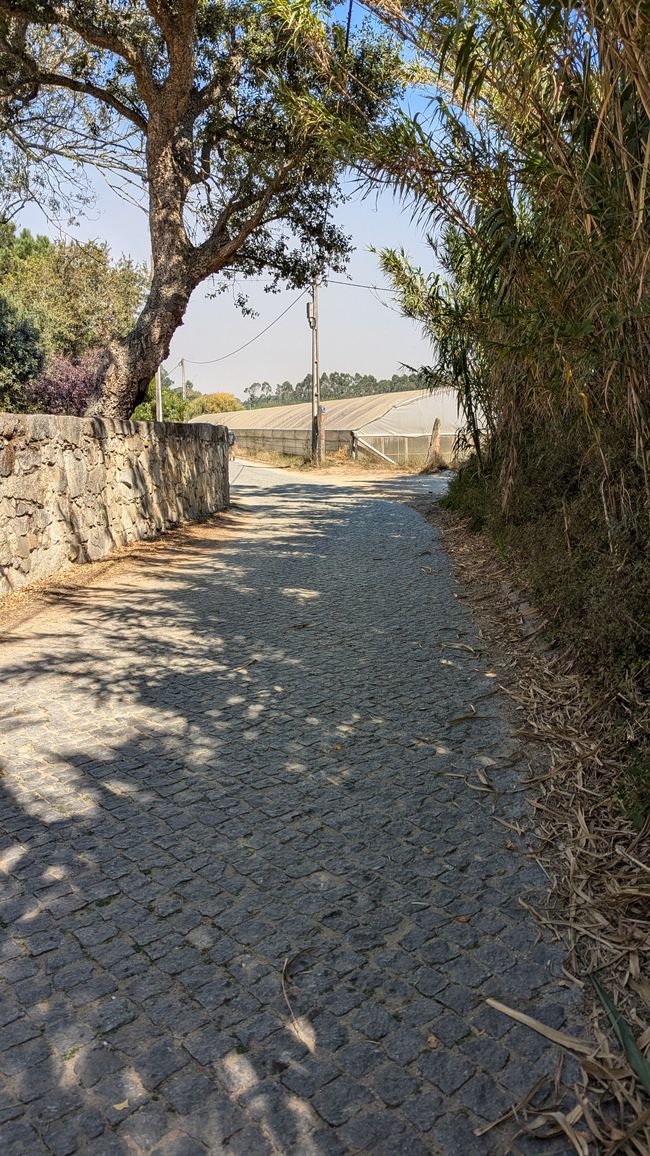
(250, 902)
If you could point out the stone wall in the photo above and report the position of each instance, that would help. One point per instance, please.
(71, 489)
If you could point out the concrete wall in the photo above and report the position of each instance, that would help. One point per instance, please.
(297, 443)
(414, 451)
(72, 488)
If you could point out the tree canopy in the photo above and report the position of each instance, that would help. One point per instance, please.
(234, 118)
(212, 403)
(67, 301)
(22, 355)
(174, 408)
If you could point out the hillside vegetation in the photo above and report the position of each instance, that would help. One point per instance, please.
(333, 385)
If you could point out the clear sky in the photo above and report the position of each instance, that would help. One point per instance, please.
(360, 331)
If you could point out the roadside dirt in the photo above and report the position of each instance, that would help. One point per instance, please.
(21, 605)
(332, 469)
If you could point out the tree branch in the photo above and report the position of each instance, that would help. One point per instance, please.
(178, 31)
(61, 80)
(47, 15)
(213, 254)
(173, 23)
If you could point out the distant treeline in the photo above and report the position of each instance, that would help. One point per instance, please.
(333, 385)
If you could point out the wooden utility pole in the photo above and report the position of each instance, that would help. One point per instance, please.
(159, 411)
(183, 383)
(321, 431)
(312, 317)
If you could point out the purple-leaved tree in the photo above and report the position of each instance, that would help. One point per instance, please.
(65, 386)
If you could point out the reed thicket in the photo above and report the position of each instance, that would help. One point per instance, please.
(532, 173)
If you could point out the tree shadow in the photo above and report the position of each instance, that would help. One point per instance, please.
(251, 901)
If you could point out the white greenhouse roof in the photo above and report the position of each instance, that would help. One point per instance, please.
(407, 413)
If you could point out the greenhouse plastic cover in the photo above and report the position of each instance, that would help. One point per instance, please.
(407, 413)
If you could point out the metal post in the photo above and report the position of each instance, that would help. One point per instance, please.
(159, 410)
(183, 384)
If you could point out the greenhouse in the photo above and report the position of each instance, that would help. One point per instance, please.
(403, 427)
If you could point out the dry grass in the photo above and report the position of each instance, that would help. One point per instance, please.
(597, 864)
(339, 463)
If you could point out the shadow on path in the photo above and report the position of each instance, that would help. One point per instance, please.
(254, 896)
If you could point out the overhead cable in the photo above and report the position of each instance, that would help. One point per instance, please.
(261, 333)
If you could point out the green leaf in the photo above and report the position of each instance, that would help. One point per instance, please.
(623, 1031)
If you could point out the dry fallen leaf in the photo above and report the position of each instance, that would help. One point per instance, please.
(121, 1107)
(461, 646)
(566, 1123)
(598, 867)
(642, 988)
(561, 1038)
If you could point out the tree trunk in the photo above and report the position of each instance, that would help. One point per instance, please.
(128, 364)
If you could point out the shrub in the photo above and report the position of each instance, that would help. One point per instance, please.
(21, 356)
(65, 386)
(213, 403)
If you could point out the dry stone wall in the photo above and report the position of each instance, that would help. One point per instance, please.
(71, 489)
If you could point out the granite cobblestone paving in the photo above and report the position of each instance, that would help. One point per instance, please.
(253, 897)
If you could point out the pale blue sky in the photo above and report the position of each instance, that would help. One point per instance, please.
(360, 331)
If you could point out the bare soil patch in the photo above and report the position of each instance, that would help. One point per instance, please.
(340, 464)
(20, 606)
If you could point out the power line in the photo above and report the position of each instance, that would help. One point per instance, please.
(358, 285)
(261, 333)
(225, 356)
(326, 281)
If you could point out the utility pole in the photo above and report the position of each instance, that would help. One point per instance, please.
(312, 318)
(159, 411)
(183, 385)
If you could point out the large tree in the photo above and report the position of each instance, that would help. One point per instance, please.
(222, 112)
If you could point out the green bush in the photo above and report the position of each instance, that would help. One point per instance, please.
(22, 356)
